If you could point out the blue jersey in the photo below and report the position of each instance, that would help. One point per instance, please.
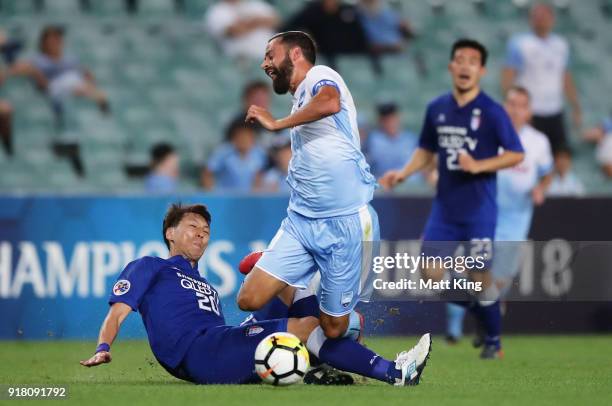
(479, 128)
(175, 302)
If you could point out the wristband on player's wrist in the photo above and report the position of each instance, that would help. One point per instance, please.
(102, 347)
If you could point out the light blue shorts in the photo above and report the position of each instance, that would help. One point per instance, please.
(341, 248)
(510, 236)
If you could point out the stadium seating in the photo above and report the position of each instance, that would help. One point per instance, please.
(167, 81)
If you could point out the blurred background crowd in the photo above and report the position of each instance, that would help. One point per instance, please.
(121, 96)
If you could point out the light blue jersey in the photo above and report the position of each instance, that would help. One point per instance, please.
(514, 186)
(330, 226)
(328, 173)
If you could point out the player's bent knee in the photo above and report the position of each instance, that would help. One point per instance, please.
(248, 301)
(334, 327)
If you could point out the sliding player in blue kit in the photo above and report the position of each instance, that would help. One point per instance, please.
(186, 329)
(466, 129)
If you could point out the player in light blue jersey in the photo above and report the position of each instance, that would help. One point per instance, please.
(518, 189)
(330, 225)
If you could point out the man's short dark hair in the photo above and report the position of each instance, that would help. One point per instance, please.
(238, 125)
(159, 152)
(252, 86)
(473, 44)
(48, 31)
(299, 39)
(387, 108)
(177, 211)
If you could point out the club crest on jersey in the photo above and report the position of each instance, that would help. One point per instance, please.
(475, 122)
(121, 287)
(346, 299)
(301, 98)
(441, 118)
(253, 330)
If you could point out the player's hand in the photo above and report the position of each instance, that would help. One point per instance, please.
(390, 179)
(467, 163)
(538, 196)
(102, 357)
(263, 116)
(247, 263)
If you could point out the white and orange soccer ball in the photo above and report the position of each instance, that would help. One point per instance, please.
(281, 359)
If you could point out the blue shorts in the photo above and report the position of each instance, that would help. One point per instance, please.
(341, 248)
(449, 238)
(226, 354)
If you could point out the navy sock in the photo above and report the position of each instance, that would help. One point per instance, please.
(274, 309)
(490, 317)
(347, 355)
(307, 306)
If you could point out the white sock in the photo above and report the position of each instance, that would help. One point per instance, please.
(315, 341)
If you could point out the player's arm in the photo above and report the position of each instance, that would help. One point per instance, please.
(207, 179)
(24, 68)
(108, 332)
(325, 103)
(508, 75)
(571, 93)
(474, 166)
(420, 159)
(538, 194)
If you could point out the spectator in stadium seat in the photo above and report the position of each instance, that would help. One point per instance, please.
(538, 61)
(165, 170)
(335, 27)
(256, 93)
(386, 32)
(6, 126)
(565, 182)
(274, 179)
(601, 135)
(59, 74)
(6, 123)
(234, 164)
(389, 146)
(242, 28)
(9, 47)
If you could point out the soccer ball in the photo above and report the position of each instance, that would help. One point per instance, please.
(281, 359)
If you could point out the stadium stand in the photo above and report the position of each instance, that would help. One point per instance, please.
(167, 81)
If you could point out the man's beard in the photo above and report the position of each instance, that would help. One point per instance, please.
(281, 81)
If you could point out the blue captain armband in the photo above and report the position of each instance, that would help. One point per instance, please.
(324, 82)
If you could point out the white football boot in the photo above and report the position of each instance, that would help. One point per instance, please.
(412, 362)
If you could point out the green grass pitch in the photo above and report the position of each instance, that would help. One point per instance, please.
(540, 370)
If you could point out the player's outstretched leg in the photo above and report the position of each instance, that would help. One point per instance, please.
(454, 322)
(350, 356)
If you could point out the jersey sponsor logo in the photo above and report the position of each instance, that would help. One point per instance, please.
(121, 287)
(253, 330)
